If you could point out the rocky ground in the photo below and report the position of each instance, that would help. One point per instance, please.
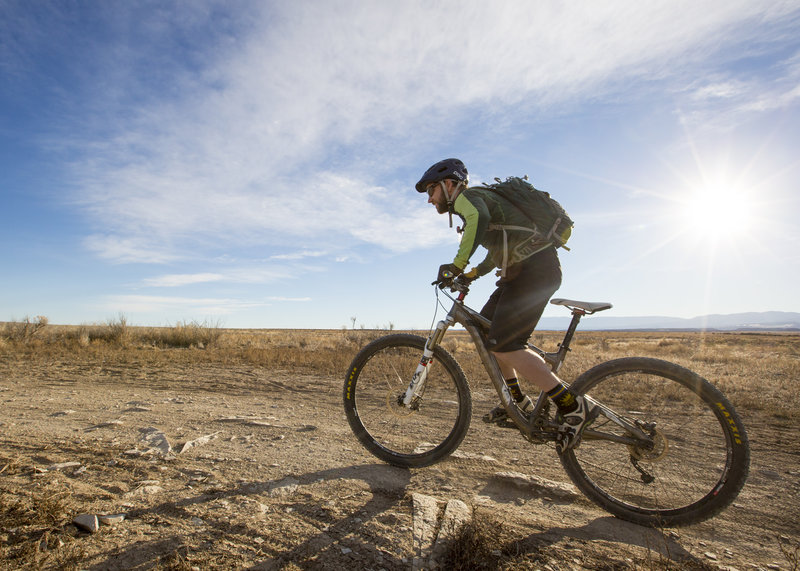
(208, 466)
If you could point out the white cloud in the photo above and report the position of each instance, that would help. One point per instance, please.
(181, 305)
(178, 280)
(166, 304)
(299, 255)
(721, 103)
(254, 274)
(244, 153)
(778, 99)
(130, 249)
(722, 90)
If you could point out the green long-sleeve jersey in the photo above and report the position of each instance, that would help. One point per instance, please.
(497, 225)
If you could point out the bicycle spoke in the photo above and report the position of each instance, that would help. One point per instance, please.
(692, 455)
(419, 434)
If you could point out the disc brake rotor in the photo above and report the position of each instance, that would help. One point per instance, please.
(654, 454)
(395, 408)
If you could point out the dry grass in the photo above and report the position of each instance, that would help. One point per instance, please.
(36, 534)
(325, 352)
(24, 330)
(484, 543)
(476, 544)
(791, 552)
(756, 371)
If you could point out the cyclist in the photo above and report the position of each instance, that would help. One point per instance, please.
(527, 281)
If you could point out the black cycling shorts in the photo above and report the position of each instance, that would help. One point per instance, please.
(517, 304)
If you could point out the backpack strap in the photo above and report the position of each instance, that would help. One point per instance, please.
(505, 228)
(509, 227)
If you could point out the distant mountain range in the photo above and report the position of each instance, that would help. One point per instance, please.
(754, 321)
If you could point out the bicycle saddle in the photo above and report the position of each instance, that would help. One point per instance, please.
(587, 306)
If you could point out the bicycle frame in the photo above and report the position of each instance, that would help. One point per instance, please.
(538, 426)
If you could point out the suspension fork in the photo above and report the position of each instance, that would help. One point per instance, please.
(416, 387)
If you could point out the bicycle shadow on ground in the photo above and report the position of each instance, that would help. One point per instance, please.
(387, 485)
(505, 491)
(612, 530)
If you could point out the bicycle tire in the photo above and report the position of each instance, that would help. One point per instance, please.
(701, 458)
(379, 374)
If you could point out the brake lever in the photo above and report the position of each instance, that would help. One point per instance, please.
(460, 284)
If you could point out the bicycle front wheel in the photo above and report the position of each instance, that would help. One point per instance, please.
(409, 437)
(700, 457)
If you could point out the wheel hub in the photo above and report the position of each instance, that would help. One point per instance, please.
(657, 452)
(394, 404)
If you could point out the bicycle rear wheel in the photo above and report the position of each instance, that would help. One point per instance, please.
(407, 437)
(701, 455)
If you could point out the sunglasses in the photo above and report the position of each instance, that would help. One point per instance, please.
(431, 189)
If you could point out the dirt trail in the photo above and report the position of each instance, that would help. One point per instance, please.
(272, 478)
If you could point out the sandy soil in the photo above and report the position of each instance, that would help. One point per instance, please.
(280, 482)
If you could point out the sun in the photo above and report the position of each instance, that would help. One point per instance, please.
(717, 210)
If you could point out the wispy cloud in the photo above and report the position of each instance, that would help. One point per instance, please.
(299, 255)
(725, 89)
(723, 101)
(243, 155)
(178, 280)
(129, 249)
(178, 305)
(254, 274)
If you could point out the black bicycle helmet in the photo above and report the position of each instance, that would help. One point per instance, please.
(448, 168)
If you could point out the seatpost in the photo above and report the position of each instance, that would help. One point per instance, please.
(563, 347)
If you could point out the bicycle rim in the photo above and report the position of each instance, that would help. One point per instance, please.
(416, 437)
(700, 459)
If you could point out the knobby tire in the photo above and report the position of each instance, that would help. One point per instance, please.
(376, 379)
(701, 458)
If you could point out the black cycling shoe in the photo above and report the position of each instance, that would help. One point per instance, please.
(498, 414)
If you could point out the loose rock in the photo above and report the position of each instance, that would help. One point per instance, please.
(426, 515)
(456, 515)
(64, 465)
(112, 519)
(198, 442)
(473, 456)
(564, 491)
(87, 522)
(284, 487)
(103, 425)
(157, 441)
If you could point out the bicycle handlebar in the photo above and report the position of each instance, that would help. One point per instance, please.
(459, 284)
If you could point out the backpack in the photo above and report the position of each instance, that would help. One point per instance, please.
(551, 223)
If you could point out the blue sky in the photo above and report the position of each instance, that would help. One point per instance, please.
(252, 164)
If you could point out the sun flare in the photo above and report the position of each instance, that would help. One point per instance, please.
(717, 210)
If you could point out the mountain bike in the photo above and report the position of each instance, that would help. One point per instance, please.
(667, 448)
